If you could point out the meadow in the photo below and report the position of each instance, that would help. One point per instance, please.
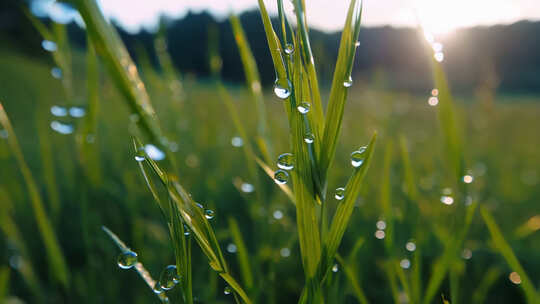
(443, 207)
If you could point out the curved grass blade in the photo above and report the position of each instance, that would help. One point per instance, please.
(508, 254)
(122, 69)
(338, 92)
(243, 255)
(143, 273)
(55, 256)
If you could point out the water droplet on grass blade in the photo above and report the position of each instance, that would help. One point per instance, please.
(62, 128)
(140, 156)
(281, 91)
(289, 48)
(154, 152)
(59, 111)
(357, 157)
(335, 268)
(227, 290)
(285, 161)
(209, 214)
(447, 200)
(169, 278)
(405, 264)
(247, 188)
(348, 82)
(231, 248)
(281, 177)
(77, 112)
(49, 46)
(127, 259)
(303, 107)
(56, 72)
(340, 193)
(309, 138)
(157, 289)
(410, 246)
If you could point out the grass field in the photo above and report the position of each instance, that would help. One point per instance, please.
(405, 241)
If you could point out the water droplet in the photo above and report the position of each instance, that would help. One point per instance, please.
(127, 259)
(186, 230)
(285, 252)
(357, 157)
(309, 138)
(381, 225)
(379, 234)
(281, 177)
(169, 277)
(447, 200)
(357, 44)
(467, 179)
(289, 48)
(278, 214)
(466, 254)
(49, 46)
(285, 161)
(433, 101)
(514, 278)
(439, 56)
(348, 82)
(199, 205)
(209, 214)
(335, 268)
(340, 193)
(247, 188)
(231, 248)
(154, 152)
(157, 289)
(435, 92)
(58, 111)
(410, 246)
(227, 290)
(304, 107)
(77, 112)
(62, 128)
(237, 141)
(281, 91)
(56, 72)
(405, 264)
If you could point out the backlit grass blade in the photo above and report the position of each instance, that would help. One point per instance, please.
(482, 289)
(122, 69)
(345, 208)
(243, 255)
(451, 252)
(252, 80)
(139, 268)
(408, 174)
(340, 83)
(55, 256)
(385, 200)
(506, 251)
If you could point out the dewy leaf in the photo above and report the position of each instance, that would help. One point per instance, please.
(338, 93)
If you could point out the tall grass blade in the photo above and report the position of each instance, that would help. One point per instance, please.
(508, 254)
(243, 255)
(55, 256)
(481, 291)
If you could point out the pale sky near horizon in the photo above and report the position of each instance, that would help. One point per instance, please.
(437, 16)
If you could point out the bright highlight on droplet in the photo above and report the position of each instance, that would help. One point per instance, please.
(62, 128)
(435, 92)
(303, 107)
(49, 46)
(227, 290)
(209, 214)
(56, 72)
(237, 141)
(379, 234)
(357, 157)
(405, 264)
(281, 91)
(410, 246)
(59, 111)
(335, 268)
(467, 179)
(447, 200)
(433, 101)
(289, 49)
(340, 193)
(439, 56)
(309, 138)
(247, 188)
(278, 214)
(466, 254)
(381, 225)
(231, 248)
(514, 278)
(285, 252)
(154, 152)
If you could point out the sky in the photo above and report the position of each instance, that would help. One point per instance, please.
(437, 16)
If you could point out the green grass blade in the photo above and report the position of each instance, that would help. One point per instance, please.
(285, 188)
(55, 256)
(243, 255)
(481, 291)
(122, 69)
(338, 92)
(408, 174)
(4, 282)
(345, 208)
(506, 251)
(385, 201)
(252, 81)
(352, 277)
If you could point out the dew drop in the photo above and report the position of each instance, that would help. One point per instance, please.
(247, 188)
(309, 138)
(56, 72)
(281, 177)
(199, 205)
(209, 214)
(435, 92)
(58, 111)
(278, 214)
(77, 112)
(467, 179)
(410, 246)
(357, 157)
(405, 263)
(61, 127)
(433, 101)
(237, 141)
(285, 161)
(186, 230)
(447, 200)
(281, 91)
(515, 278)
(340, 193)
(140, 156)
(304, 107)
(348, 82)
(49, 46)
(227, 290)
(381, 225)
(379, 234)
(285, 252)
(466, 254)
(127, 259)
(289, 49)
(231, 248)
(169, 277)
(335, 268)
(157, 289)
(154, 152)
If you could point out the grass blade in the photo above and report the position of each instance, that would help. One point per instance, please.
(55, 256)
(506, 251)
(243, 255)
